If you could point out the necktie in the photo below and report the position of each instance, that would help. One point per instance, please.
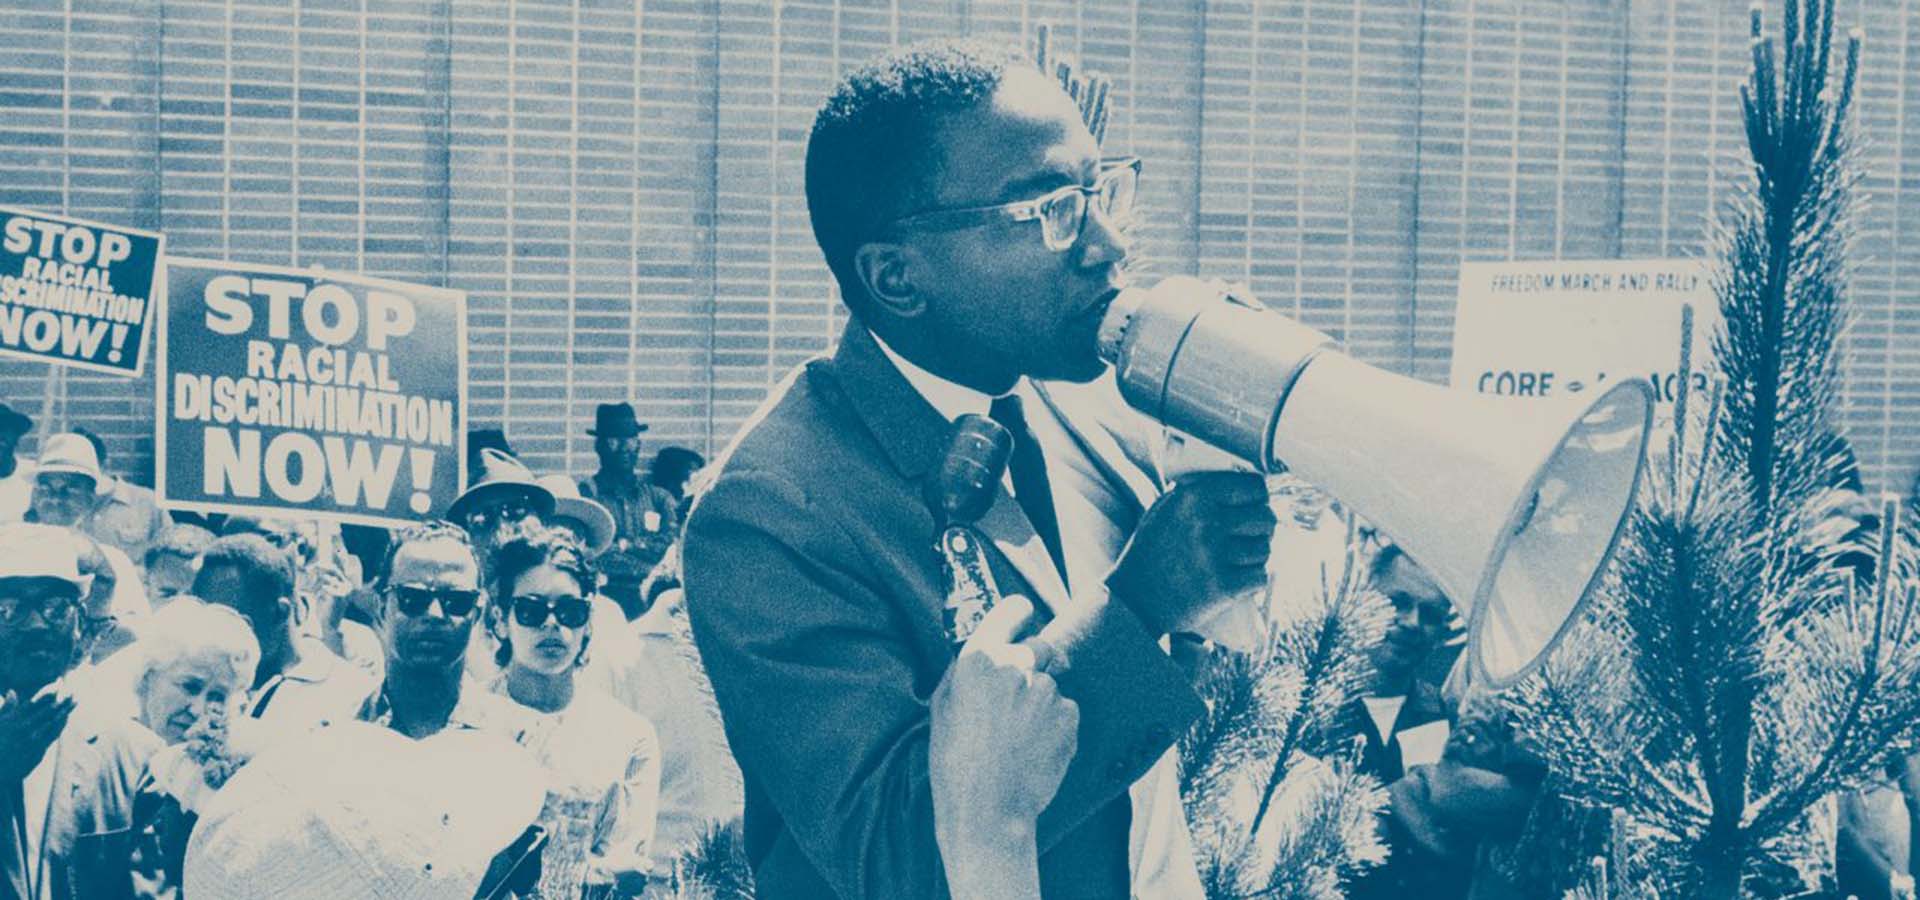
(1030, 485)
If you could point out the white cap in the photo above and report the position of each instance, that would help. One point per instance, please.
(34, 550)
(71, 453)
(358, 810)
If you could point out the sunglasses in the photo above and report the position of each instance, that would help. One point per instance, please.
(415, 600)
(531, 611)
(59, 612)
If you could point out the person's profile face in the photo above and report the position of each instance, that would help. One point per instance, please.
(9, 442)
(169, 576)
(995, 292)
(444, 575)
(62, 498)
(178, 694)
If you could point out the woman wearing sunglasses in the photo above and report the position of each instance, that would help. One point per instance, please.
(604, 759)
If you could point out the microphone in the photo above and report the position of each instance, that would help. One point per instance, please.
(960, 492)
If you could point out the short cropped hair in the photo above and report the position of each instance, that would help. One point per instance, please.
(267, 570)
(672, 466)
(188, 627)
(869, 158)
(436, 530)
(181, 540)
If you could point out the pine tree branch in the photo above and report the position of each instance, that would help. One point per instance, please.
(1815, 784)
(1318, 664)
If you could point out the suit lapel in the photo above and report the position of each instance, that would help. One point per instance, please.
(1123, 470)
(909, 430)
(914, 435)
(1007, 526)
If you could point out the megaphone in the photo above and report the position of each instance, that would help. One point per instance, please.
(1514, 506)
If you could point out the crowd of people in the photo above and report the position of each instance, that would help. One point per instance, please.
(561, 685)
(152, 658)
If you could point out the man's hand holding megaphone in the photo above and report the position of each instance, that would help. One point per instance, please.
(1199, 546)
(1000, 738)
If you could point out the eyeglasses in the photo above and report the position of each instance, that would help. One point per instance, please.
(59, 612)
(62, 486)
(531, 610)
(415, 600)
(488, 517)
(1062, 214)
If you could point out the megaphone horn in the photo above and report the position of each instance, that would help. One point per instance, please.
(1514, 506)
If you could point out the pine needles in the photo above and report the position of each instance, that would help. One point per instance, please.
(1763, 609)
(1274, 801)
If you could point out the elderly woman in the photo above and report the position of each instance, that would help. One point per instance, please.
(196, 662)
(603, 759)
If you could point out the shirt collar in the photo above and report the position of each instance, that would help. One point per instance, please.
(316, 662)
(478, 708)
(114, 491)
(950, 399)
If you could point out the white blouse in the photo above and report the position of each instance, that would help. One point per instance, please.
(604, 794)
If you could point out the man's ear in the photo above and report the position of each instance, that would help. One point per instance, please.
(293, 609)
(886, 271)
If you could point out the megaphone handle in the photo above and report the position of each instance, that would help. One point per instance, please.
(1181, 454)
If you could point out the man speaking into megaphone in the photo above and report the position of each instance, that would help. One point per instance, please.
(971, 224)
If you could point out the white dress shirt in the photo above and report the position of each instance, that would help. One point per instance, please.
(16, 491)
(1161, 848)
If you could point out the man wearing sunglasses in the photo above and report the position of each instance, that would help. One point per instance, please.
(973, 227)
(429, 602)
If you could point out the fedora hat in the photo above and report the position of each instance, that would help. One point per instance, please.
(481, 438)
(500, 474)
(615, 420)
(568, 504)
(13, 421)
(70, 453)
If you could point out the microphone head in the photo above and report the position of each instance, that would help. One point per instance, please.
(962, 488)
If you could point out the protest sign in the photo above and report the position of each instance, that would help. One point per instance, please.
(1540, 329)
(300, 392)
(75, 293)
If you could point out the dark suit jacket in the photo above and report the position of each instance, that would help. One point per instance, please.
(815, 599)
(89, 839)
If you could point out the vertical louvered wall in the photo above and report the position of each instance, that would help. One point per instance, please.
(617, 185)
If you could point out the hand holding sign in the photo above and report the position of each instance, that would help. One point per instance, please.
(293, 390)
(74, 292)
